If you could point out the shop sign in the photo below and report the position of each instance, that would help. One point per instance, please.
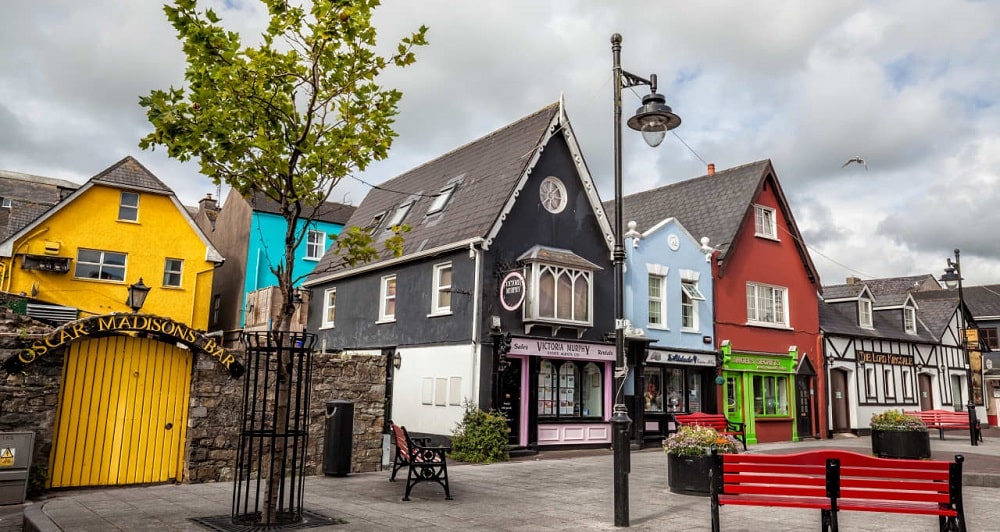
(745, 362)
(561, 349)
(512, 290)
(119, 323)
(869, 357)
(688, 359)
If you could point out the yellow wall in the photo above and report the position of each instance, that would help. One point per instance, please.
(91, 221)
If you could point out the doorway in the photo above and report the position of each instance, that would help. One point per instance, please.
(510, 399)
(803, 406)
(926, 392)
(840, 401)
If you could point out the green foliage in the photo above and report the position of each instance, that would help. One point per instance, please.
(696, 440)
(897, 420)
(38, 474)
(480, 437)
(288, 118)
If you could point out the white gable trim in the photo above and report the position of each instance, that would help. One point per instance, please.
(560, 123)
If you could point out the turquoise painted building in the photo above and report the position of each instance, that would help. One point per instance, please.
(250, 234)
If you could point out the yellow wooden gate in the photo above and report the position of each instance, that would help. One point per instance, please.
(122, 413)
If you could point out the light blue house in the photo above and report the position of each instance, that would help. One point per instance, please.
(250, 234)
(668, 301)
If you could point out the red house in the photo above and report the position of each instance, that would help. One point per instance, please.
(766, 297)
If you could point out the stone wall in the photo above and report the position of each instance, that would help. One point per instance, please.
(29, 401)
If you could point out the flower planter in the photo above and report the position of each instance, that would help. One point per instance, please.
(689, 475)
(901, 444)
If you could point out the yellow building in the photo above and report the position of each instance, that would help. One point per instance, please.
(122, 225)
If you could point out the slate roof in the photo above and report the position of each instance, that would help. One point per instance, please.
(842, 291)
(715, 206)
(937, 307)
(30, 196)
(332, 212)
(487, 171)
(900, 285)
(129, 173)
(842, 318)
(983, 301)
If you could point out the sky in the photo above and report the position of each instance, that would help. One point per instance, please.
(911, 87)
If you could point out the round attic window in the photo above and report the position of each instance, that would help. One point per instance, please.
(552, 194)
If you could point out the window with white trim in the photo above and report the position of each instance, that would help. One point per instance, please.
(441, 290)
(315, 244)
(657, 301)
(690, 296)
(400, 214)
(870, 390)
(767, 305)
(865, 313)
(910, 320)
(97, 264)
(890, 384)
(172, 272)
(387, 299)
(128, 207)
(329, 308)
(560, 294)
(765, 223)
(907, 385)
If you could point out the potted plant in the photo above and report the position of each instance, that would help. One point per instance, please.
(689, 457)
(899, 435)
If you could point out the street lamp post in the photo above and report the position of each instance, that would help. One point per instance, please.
(653, 119)
(953, 277)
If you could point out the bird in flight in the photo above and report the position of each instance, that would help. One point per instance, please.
(858, 160)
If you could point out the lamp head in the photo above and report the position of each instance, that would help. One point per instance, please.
(654, 118)
(136, 295)
(951, 276)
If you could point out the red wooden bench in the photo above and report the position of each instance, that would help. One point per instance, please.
(423, 462)
(717, 422)
(943, 420)
(833, 481)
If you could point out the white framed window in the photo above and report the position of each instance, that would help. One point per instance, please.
(690, 296)
(765, 224)
(870, 390)
(329, 308)
(5, 203)
(400, 214)
(657, 301)
(560, 295)
(172, 272)
(441, 200)
(387, 299)
(910, 320)
(128, 207)
(865, 313)
(890, 385)
(552, 194)
(767, 305)
(907, 385)
(441, 289)
(97, 264)
(315, 244)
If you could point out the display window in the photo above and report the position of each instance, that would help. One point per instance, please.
(672, 389)
(770, 395)
(569, 389)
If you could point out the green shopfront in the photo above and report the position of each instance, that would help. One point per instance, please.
(758, 390)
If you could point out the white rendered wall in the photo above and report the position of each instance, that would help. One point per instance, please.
(430, 387)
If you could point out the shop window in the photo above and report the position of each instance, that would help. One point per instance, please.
(673, 392)
(694, 395)
(568, 389)
(653, 397)
(770, 395)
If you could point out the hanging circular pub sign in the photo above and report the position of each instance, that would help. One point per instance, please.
(512, 291)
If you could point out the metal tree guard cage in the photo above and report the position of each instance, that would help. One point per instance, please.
(270, 460)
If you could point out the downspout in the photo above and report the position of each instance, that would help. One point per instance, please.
(477, 310)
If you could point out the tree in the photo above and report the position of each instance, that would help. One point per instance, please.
(288, 118)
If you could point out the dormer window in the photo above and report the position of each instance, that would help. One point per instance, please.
(765, 224)
(400, 214)
(5, 203)
(910, 320)
(128, 207)
(865, 313)
(441, 200)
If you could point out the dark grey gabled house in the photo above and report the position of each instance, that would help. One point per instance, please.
(507, 236)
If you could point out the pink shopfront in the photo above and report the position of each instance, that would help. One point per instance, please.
(557, 392)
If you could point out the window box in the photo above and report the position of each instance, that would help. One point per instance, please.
(45, 263)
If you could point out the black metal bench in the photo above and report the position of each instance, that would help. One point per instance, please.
(423, 461)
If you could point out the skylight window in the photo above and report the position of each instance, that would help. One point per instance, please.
(400, 214)
(441, 200)
(376, 221)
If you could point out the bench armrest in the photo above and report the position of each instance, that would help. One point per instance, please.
(422, 441)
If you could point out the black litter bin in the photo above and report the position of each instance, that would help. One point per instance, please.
(339, 438)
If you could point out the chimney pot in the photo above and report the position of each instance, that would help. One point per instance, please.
(853, 280)
(711, 168)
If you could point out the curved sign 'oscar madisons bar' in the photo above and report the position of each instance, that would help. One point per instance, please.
(155, 326)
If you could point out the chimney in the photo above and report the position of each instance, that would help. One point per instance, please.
(208, 204)
(711, 168)
(853, 280)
